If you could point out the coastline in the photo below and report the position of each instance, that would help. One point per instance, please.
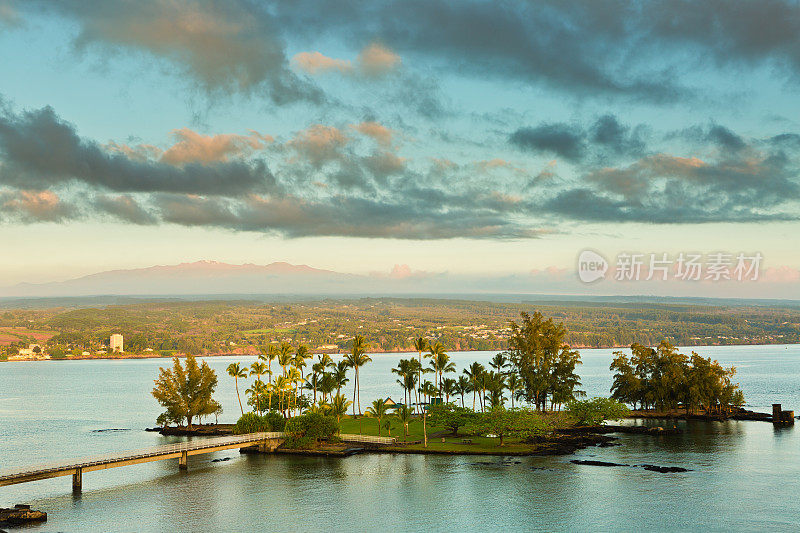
(341, 352)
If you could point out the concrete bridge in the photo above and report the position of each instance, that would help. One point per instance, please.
(266, 442)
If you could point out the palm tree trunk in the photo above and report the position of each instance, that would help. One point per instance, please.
(358, 385)
(424, 427)
(355, 386)
(236, 383)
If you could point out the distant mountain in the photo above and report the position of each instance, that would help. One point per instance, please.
(207, 277)
(223, 280)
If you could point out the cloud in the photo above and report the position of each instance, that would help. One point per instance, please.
(377, 60)
(605, 139)
(34, 206)
(373, 61)
(380, 133)
(194, 147)
(124, 207)
(667, 189)
(231, 46)
(40, 150)
(559, 139)
(323, 183)
(319, 144)
(316, 63)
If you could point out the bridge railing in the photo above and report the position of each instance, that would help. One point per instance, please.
(368, 439)
(162, 449)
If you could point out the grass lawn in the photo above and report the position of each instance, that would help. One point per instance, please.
(369, 426)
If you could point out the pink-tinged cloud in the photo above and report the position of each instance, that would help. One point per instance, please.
(373, 61)
(319, 143)
(377, 131)
(782, 274)
(376, 60)
(317, 63)
(139, 152)
(402, 272)
(39, 206)
(193, 147)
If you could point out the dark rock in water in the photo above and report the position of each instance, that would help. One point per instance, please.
(664, 469)
(595, 463)
(220, 459)
(20, 515)
(108, 430)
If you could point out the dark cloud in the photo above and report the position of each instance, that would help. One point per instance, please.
(725, 138)
(604, 139)
(608, 133)
(665, 189)
(228, 46)
(337, 181)
(558, 139)
(125, 208)
(40, 150)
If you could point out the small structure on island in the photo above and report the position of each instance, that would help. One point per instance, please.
(115, 343)
(782, 418)
(390, 403)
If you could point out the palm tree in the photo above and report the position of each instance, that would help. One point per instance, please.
(378, 410)
(285, 355)
(327, 384)
(474, 374)
(404, 368)
(268, 353)
(356, 359)
(255, 391)
(420, 345)
(513, 384)
(300, 358)
(430, 390)
(450, 388)
(294, 378)
(258, 368)
(499, 362)
(339, 406)
(340, 375)
(464, 386)
(281, 386)
(236, 371)
(440, 363)
(495, 383)
(404, 414)
(325, 360)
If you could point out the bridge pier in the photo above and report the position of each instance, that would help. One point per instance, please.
(77, 480)
(183, 461)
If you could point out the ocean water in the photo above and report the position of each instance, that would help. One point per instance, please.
(744, 476)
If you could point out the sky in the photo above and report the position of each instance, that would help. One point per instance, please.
(449, 137)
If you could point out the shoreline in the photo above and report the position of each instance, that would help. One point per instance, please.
(341, 352)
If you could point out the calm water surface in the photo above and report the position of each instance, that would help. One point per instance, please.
(745, 475)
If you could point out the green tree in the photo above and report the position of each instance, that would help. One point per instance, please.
(450, 416)
(596, 410)
(356, 359)
(545, 363)
(236, 371)
(186, 392)
(339, 405)
(377, 410)
(404, 414)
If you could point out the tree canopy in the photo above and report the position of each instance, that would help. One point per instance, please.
(538, 352)
(663, 378)
(186, 392)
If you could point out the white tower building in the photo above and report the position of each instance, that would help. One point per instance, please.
(115, 343)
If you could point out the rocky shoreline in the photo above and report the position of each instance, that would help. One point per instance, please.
(20, 515)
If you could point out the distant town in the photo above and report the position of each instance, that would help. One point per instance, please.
(159, 329)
